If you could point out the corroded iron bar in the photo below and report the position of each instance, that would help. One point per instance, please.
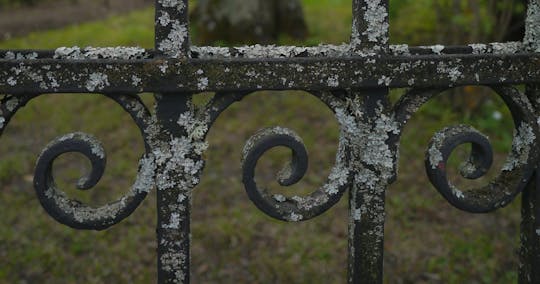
(370, 24)
(530, 229)
(172, 28)
(173, 197)
(532, 26)
(373, 165)
(530, 215)
(195, 75)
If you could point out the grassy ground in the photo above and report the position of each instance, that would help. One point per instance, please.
(427, 241)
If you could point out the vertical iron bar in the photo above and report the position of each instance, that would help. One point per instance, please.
(173, 204)
(370, 25)
(532, 26)
(367, 195)
(172, 28)
(530, 231)
(173, 199)
(530, 215)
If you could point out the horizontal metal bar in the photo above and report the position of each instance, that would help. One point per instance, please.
(263, 51)
(325, 73)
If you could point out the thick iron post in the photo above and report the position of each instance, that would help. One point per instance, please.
(373, 169)
(530, 229)
(370, 24)
(530, 211)
(173, 194)
(172, 28)
(173, 198)
(373, 158)
(530, 216)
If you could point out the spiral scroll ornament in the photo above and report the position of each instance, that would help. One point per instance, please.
(296, 208)
(515, 173)
(71, 212)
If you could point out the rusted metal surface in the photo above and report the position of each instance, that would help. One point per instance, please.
(353, 80)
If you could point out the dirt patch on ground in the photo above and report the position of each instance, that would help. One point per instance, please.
(60, 13)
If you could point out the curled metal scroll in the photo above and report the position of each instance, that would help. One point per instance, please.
(516, 171)
(296, 208)
(74, 213)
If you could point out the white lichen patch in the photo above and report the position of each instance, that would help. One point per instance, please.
(524, 138)
(146, 177)
(376, 16)
(178, 157)
(163, 67)
(97, 148)
(371, 138)
(339, 176)
(506, 48)
(177, 4)
(384, 81)
(456, 192)
(202, 83)
(2, 121)
(172, 262)
(400, 49)
(195, 127)
(82, 213)
(180, 160)
(272, 51)
(10, 55)
(357, 214)
(123, 53)
(174, 222)
(532, 27)
(175, 40)
(453, 72)
(279, 198)
(434, 152)
(97, 81)
(437, 49)
(293, 217)
(374, 161)
(164, 19)
(11, 81)
(333, 81)
(479, 48)
(135, 80)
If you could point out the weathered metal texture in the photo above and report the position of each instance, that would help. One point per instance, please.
(351, 79)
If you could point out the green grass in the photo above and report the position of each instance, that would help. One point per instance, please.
(134, 29)
(427, 241)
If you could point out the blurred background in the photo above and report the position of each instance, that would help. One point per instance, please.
(427, 240)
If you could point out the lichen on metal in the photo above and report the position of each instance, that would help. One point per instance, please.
(353, 79)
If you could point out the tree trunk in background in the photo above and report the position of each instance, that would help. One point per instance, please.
(247, 21)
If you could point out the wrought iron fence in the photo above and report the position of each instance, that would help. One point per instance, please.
(353, 80)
